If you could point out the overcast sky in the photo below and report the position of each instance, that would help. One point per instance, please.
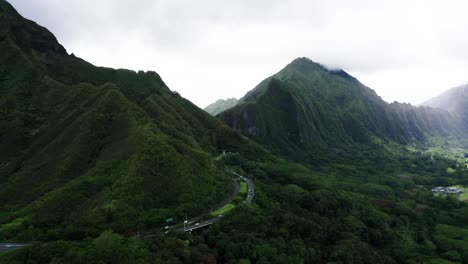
(408, 51)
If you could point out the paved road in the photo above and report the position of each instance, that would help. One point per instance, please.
(197, 222)
(201, 224)
(4, 247)
(220, 205)
(250, 186)
(191, 224)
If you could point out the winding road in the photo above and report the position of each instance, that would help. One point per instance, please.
(200, 221)
(250, 186)
(197, 222)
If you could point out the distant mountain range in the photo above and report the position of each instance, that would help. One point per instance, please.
(454, 100)
(220, 106)
(305, 108)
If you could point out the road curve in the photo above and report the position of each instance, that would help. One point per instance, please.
(195, 223)
(250, 186)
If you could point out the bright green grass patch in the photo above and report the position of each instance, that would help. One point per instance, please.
(13, 225)
(450, 170)
(223, 210)
(463, 196)
(243, 187)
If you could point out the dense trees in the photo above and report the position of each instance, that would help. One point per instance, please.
(397, 222)
(90, 157)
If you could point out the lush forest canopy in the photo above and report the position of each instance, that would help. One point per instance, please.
(90, 157)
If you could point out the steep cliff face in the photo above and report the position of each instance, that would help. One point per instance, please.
(306, 106)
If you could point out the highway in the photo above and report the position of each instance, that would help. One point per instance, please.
(250, 186)
(220, 205)
(200, 221)
(4, 247)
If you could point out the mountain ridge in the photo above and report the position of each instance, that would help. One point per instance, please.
(316, 107)
(93, 157)
(98, 148)
(454, 100)
(220, 105)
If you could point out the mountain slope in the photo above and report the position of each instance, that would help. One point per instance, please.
(309, 109)
(454, 100)
(220, 106)
(84, 148)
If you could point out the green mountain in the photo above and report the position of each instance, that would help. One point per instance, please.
(220, 106)
(454, 100)
(83, 148)
(91, 156)
(308, 109)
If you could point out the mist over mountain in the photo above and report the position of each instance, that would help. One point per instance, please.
(102, 165)
(306, 108)
(454, 100)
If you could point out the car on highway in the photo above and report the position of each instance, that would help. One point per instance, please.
(197, 224)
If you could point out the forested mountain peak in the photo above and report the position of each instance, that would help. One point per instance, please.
(102, 165)
(319, 77)
(93, 147)
(308, 107)
(305, 65)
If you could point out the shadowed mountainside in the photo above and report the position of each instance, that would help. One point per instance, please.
(308, 109)
(90, 147)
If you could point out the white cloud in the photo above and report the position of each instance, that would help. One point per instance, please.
(406, 50)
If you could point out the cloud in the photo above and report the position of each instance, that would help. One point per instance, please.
(208, 49)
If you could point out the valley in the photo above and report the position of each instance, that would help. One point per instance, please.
(103, 165)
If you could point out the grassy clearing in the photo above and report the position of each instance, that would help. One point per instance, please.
(243, 187)
(228, 207)
(464, 195)
(223, 210)
(450, 170)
